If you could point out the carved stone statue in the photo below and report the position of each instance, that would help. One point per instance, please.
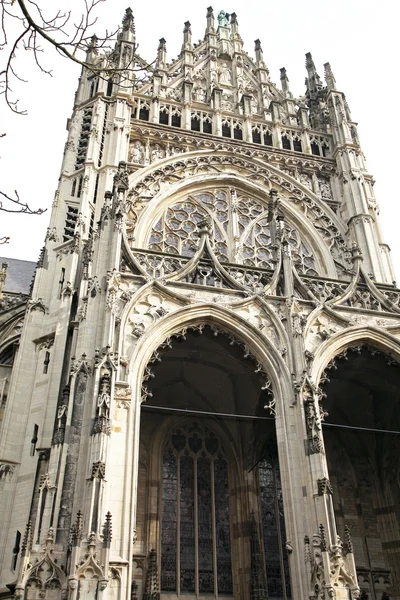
(137, 153)
(223, 18)
(225, 75)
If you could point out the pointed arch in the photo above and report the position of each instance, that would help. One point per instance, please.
(384, 341)
(178, 175)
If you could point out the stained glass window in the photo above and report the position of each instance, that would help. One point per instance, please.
(176, 230)
(273, 526)
(195, 532)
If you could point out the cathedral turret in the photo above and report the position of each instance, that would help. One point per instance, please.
(284, 81)
(161, 54)
(187, 37)
(329, 77)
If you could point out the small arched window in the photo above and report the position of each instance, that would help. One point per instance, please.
(226, 129)
(109, 87)
(144, 113)
(256, 135)
(238, 133)
(286, 143)
(315, 149)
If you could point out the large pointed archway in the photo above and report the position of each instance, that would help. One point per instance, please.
(208, 466)
(362, 442)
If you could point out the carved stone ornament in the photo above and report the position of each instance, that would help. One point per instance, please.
(44, 574)
(330, 569)
(324, 487)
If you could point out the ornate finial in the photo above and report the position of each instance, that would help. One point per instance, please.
(162, 44)
(128, 21)
(107, 530)
(348, 543)
(210, 12)
(27, 541)
(307, 550)
(152, 591)
(323, 538)
(93, 41)
(187, 27)
(79, 525)
(234, 20)
(329, 77)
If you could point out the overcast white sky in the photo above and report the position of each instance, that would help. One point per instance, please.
(358, 37)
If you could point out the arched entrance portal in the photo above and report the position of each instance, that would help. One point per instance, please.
(210, 497)
(362, 387)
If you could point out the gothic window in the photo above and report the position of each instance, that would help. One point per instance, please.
(273, 527)
(286, 143)
(16, 550)
(195, 531)
(144, 111)
(257, 242)
(163, 119)
(195, 122)
(315, 149)
(176, 118)
(176, 232)
(109, 87)
(207, 124)
(238, 132)
(226, 129)
(256, 135)
(70, 222)
(297, 144)
(267, 138)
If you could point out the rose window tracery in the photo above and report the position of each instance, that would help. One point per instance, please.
(240, 230)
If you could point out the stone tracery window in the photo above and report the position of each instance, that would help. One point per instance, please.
(176, 231)
(195, 532)
(273, 527)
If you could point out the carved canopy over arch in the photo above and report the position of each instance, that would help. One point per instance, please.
(167, 201)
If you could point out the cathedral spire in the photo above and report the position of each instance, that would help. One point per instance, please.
(161, 54)
(210, 21)
(259, 52)
(128, 26)
(92, 51)
(234, 27)
(284, 81)
(187, 37)
(314, 84)
(329, 77)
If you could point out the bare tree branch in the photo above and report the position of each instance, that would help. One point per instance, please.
(22, 207)
(70, 34)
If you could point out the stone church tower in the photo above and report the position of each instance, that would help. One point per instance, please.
(204, 397)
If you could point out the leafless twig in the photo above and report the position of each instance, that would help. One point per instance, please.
(70, 33)
(17, 206)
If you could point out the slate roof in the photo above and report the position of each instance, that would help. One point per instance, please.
(19, 275)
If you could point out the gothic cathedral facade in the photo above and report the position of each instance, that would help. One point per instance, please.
(200, 395)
